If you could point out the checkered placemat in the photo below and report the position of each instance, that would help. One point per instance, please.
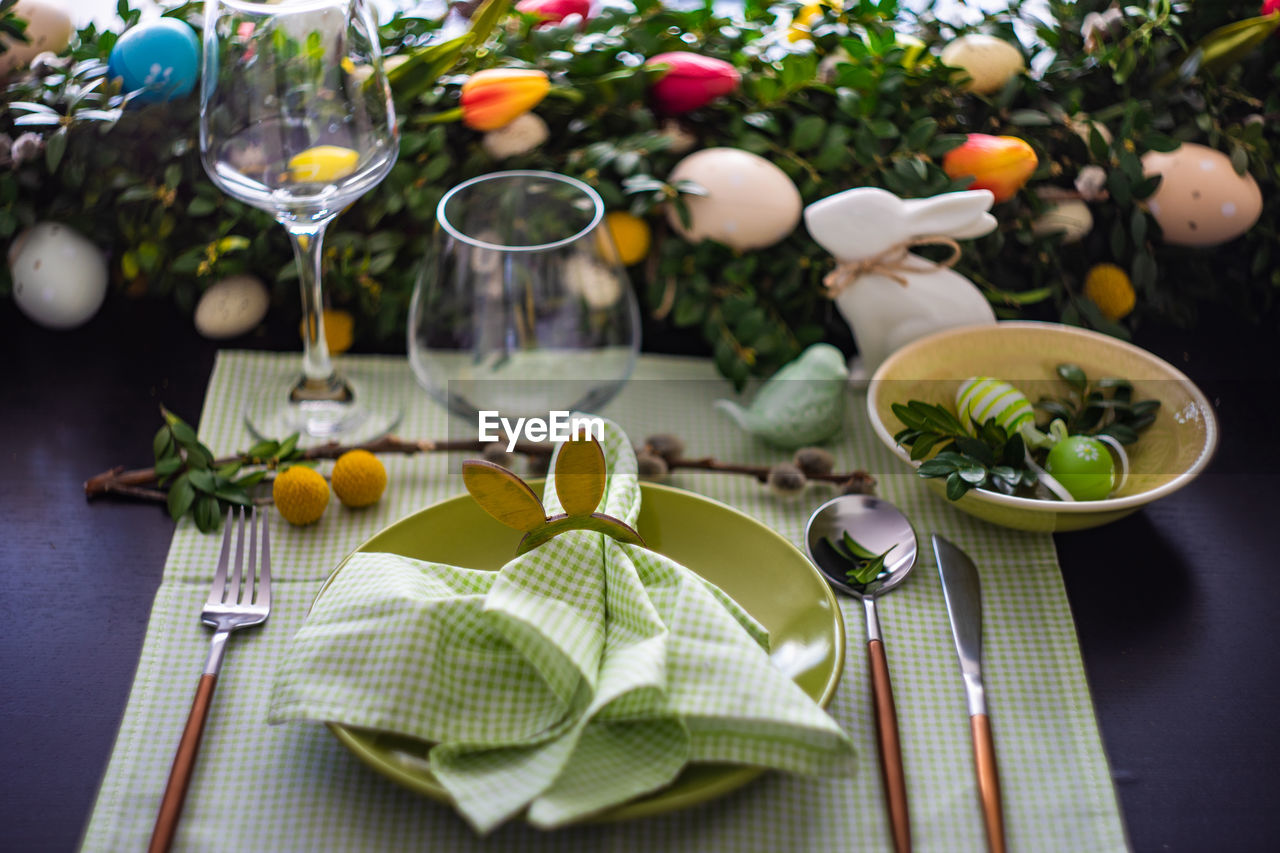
(259, 787)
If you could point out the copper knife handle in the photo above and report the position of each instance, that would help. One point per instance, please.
(175, 791)
(984, 758)
(889, 747)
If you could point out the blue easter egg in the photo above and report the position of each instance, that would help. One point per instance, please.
(161, 57)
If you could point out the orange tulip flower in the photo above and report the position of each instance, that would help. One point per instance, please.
(495, 97)
(1002, 164)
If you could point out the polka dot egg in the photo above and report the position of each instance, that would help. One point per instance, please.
(1201, 201)
(160, 57)
(982, 398)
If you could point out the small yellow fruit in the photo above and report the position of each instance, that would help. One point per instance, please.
(1108, 287)
(358, 478)
(339, 330)
(630, 234)
(322, 164)
(301, 494)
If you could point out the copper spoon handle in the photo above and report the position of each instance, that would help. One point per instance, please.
(889, 747)
(984, 758)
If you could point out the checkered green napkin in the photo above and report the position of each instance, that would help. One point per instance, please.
(583, 674)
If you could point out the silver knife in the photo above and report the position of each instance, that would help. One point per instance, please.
(963, 593)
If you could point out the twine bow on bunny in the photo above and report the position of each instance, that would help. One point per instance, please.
(891, 263)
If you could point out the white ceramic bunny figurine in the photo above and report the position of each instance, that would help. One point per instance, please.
(888, 296)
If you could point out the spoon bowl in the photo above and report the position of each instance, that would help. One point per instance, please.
(877, 525)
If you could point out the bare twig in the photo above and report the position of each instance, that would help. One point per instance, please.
(860, 481)
(119, 481)
(138, 482)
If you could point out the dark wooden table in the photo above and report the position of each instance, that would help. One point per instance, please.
(1177, 606)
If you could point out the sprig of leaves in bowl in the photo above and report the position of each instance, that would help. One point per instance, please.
(1009, 454)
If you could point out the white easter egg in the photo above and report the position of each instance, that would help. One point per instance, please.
(519, 136)
(988, 61)
(750, 203)
(362, 71)
(1201, 201)
(48, 28)
(1070, 218)
(59, 277)
(231, 307)
(678, 138)
(1083, 126)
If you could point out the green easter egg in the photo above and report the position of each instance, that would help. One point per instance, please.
(1083, 466)
(981, 398)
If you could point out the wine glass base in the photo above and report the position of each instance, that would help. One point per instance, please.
(276, 414)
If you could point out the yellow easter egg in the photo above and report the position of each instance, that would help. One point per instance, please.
(339, 329)
(323, 163)
(630, 235)
(802, 23)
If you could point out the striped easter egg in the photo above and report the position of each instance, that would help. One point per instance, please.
(982, 398)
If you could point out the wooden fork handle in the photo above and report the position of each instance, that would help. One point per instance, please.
(889, 747)
(984, 757)
(175, 791)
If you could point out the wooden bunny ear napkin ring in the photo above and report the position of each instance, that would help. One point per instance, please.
(580, 482)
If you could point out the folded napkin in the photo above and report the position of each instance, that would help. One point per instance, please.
(581, 675)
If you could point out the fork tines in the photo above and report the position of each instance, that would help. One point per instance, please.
(243, 589)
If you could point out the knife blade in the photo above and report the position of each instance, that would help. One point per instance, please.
(963, 594)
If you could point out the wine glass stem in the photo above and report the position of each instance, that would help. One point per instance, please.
(308, 247)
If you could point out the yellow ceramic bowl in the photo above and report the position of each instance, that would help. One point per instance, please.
(1168, 455)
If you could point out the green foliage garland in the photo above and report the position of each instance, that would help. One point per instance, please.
(130, 177)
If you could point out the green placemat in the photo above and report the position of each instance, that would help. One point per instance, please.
(257, 787)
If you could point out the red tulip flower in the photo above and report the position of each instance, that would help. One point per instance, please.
(1270, 7)
(1002, 164)
(691, 81)
(555, 11)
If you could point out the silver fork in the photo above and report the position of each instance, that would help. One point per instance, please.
(238, 604)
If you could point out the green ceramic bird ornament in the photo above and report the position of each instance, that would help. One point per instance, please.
(801, 404)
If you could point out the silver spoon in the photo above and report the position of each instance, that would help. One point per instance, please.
(877, 526)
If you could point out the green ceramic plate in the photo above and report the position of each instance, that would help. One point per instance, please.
(760, 569)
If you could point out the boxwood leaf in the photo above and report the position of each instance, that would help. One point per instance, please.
(180, 498)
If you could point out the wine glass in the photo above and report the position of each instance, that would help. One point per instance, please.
(523, 307)
(296, 119)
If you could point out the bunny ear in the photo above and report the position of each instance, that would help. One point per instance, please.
(960, 215)
(503, 495)
(580, 475)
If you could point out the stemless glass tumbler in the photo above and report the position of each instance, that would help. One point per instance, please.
(523, 307)
(296, 119)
